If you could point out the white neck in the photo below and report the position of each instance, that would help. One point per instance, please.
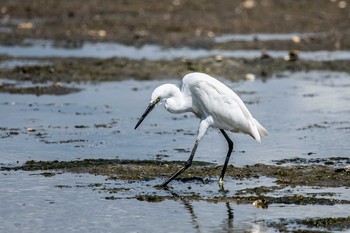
(177, 102)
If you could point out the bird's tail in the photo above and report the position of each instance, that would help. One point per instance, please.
(258, 131)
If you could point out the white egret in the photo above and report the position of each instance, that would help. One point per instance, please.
(215, 104)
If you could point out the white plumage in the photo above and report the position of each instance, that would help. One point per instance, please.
(213, 103)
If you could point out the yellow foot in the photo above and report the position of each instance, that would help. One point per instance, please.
(221, 186)
(221, 183)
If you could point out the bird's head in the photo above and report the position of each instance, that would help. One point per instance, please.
(159, 94)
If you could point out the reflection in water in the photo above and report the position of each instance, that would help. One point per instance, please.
(229, 218)
(189, 208)
(227, 223)
(204, 219)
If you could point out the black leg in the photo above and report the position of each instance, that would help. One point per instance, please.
(187, 165)
(230, 147)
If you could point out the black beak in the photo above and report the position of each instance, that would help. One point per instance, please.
(148, 110)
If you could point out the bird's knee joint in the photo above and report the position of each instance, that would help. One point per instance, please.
(230, 145)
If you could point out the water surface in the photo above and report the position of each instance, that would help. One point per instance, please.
(73, 202)
(305, 113)
(46, 48)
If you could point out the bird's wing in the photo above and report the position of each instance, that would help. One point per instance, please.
(199, 84)
(220, 96)
(211, 97)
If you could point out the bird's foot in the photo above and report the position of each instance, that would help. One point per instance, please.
(221, 184)
(163, 185)
(160, 186)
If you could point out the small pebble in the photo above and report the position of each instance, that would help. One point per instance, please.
(249, 77)
(218, 58)
(260, 204)
(296, 39)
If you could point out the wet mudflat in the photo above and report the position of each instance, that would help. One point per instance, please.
(77, 146)
(175, 23)
(249, 201)
(72, 89)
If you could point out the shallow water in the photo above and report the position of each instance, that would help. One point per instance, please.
(305, 114)
(35, 203)
(264, 36)
(46, 48)
(17, 62)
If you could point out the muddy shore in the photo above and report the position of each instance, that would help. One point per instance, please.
(175, 22)
(321, 174)
(169, 24)
(116, 69)
(178, 24)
